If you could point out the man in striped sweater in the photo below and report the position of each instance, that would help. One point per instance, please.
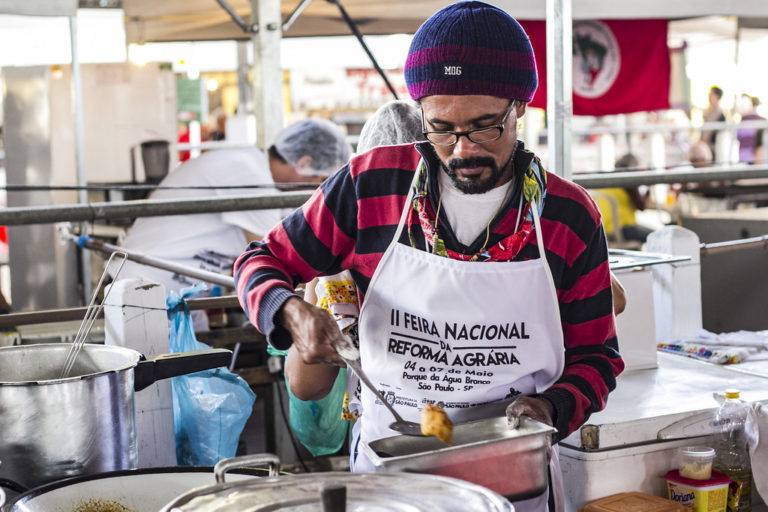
(483, 278)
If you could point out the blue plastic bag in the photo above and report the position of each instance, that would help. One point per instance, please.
(210, 407)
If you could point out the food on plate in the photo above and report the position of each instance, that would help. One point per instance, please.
(95, 505)
(435, 422)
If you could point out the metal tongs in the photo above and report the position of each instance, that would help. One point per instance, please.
(91, 314)
(351, 356)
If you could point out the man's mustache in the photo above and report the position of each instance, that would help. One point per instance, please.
(475, 161)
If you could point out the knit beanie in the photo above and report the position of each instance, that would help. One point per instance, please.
(471, 48)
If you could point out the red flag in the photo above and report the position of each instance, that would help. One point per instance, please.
(619, 66)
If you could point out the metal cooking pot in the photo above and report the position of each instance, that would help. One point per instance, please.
(52, 428)
(137, 490)
(336, 492)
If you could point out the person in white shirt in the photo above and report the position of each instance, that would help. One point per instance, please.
(305, 152)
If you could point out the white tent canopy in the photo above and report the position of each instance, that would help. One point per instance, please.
(196, 20)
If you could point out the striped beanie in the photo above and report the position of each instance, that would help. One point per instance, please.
(471, 48)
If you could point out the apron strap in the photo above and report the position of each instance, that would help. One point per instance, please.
(543, 255)
(408, 201)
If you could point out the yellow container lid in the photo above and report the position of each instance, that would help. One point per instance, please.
(633, 502)
(731, 393)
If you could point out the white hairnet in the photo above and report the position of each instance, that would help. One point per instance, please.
(318, 138)
(396, 122)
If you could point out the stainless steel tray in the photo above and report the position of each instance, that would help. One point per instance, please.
(511, 462)
(619, 259)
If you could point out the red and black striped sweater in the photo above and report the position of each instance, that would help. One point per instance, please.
(351, 219)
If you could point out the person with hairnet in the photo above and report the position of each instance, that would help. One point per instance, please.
(395, 122)
(307, 151)
(470, 259)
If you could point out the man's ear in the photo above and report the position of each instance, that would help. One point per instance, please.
(520, 107)
(304, 162)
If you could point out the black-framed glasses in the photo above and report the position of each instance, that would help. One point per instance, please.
(478, 135)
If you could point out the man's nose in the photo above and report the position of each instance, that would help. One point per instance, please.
(465, 147)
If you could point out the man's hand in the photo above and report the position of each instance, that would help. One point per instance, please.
(538, 409)
(314, 332)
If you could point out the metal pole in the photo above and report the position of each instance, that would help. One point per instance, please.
(68, 314)
(758, 242)
(633, 179)
(267, 73)
(146, 208)
(559, 86)
(82, 195)
(236, 18)
(295, 14)
(245, 105)
(196, 273)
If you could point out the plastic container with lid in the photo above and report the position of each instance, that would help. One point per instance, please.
(699, 495)
(695, 462)
(633, 502)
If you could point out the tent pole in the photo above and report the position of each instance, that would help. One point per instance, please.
(267, 73)
(295, 14)
(77, 105)
(236, 17)
(559, 86)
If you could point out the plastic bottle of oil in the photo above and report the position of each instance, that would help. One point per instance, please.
(732, 452)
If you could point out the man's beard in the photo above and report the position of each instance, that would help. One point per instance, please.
(474, 184)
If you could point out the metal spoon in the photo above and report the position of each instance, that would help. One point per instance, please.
(351, 356)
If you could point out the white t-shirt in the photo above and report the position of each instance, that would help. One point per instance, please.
(209, 241)
(469, 214)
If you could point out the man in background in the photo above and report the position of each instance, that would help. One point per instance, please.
(305, 152)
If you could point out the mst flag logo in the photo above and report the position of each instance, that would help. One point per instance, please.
(596, 58)
(619, 66)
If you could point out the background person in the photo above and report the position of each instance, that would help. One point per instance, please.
(750, 139)
(713, 114)
(628, 201)
(395, 122)
(219, 128)
(417, 226)
(305, 152)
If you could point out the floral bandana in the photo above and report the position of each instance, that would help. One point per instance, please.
(534, 192)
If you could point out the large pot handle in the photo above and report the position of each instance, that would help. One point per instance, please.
(172, 365)
(259, 459)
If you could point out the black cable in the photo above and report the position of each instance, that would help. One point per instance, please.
(288, 425)
(353, 27)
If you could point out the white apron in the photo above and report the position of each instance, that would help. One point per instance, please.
(470, 335)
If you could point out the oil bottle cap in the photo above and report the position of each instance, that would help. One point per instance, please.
(731, 393)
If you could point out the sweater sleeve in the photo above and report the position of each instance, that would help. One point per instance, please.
(592, 360)
(315, 239)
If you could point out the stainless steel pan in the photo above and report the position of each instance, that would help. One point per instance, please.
(56, 428)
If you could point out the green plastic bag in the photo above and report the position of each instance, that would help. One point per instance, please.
(317, 424)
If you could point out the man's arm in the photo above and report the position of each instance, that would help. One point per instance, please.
(311, 241)
(579, 261)
(592, 360)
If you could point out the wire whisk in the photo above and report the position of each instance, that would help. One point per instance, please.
(92, 312)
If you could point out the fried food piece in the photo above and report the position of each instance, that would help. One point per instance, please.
(435, 422)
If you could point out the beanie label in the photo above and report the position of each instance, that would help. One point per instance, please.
(452, 70)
